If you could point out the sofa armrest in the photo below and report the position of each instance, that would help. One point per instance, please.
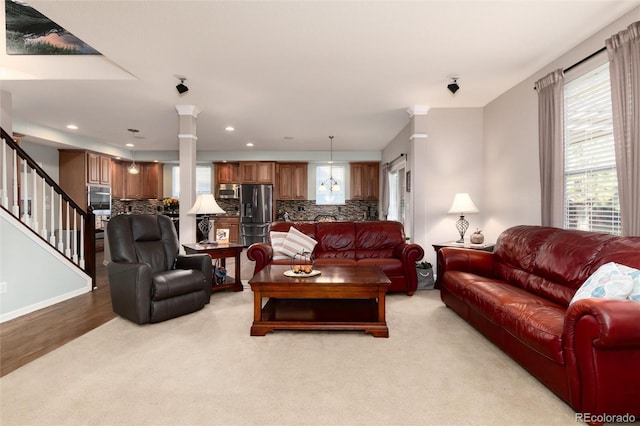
(261, 253)
(200, 262)
(409, 254)
(465, 260)
(130, 288)
(602, 345)
(614, 323)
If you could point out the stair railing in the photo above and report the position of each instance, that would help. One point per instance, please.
(33, 197)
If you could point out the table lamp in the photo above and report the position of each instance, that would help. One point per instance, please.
(205, 204)
(462, 204)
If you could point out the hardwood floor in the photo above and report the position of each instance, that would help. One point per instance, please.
(31, 336)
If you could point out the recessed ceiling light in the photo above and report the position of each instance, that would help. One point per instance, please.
(155, 161)
(229, 128)
(289, 138)
(249, 143)
(72, 127)
(130, 145)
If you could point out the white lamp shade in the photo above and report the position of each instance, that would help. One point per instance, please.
(462, 203)
(205, 204)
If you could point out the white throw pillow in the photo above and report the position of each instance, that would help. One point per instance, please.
(607, 282)
(635, 278)
(297, 242)
(277, 241)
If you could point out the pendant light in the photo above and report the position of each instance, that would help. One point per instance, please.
(332, 183)
(133, 167)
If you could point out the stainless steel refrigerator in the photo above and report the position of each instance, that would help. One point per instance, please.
(255, 213)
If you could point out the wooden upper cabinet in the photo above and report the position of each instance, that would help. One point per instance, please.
(151, 180)
(291, 181)
(98, 169)
(257, 172)
(227, 173)
(118, 170)
(145, 185)
(365, 181)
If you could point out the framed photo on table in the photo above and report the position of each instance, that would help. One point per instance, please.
(222, 236)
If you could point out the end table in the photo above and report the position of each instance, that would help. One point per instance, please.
(220, 251)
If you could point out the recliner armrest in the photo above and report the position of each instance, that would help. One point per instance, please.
(200, 262)
(130, 287)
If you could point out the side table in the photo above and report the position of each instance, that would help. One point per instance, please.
(221, 251)
(437, 247)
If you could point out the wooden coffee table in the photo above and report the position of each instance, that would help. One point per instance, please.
(340, 298)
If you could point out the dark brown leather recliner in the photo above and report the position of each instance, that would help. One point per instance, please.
(148, 278)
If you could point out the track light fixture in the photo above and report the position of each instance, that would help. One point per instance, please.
(453, 86)
(181, 88)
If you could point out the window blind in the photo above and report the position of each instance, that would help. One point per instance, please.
(591, 186)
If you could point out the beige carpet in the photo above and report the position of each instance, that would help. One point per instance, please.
(205, 369)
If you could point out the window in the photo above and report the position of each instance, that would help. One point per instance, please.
(323, 173)
(203, 180)
(396, 193)
(591, 186)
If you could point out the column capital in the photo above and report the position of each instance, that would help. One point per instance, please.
(184, 136)
(418, 110)
(191, 110)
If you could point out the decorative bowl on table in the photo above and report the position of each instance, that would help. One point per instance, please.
(302, 266)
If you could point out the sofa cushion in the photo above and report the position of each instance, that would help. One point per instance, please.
(538, 325)
(297, 242)
(610, 281)
(489, 297)
(378, 239)
(549, 262)
(336, 240)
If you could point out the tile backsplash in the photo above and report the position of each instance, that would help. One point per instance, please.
(308, 210)
(298, 210)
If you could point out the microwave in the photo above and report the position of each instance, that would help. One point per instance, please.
(100, 200)
(228, 190)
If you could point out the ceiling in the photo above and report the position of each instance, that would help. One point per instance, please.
(286, 74)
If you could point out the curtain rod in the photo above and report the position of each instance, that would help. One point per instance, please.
(583, 60)
(397, 158)
(602, 49)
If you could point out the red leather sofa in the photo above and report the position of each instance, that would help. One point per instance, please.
(379, 243)
(588, 353)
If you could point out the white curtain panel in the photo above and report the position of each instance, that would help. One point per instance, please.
(551, 141)
(624, 69)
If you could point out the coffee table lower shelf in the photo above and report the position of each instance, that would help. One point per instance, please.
(320, 314)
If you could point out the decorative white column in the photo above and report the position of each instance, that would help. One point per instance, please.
(187, 139)
(419, 174)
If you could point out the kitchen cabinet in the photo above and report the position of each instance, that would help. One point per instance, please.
(291, 181)
(365, 181)
(232, 223)
(79, 168)
(118, 170)
(257, 172)
(145, 185)
(227, 173)
(98, 169)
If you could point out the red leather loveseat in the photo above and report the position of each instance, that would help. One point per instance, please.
(588, 352)
(379, 243)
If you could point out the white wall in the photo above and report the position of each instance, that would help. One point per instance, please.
(5, 111)
(454, 163)
(511, 171)
(35, 276)
(46, 157)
